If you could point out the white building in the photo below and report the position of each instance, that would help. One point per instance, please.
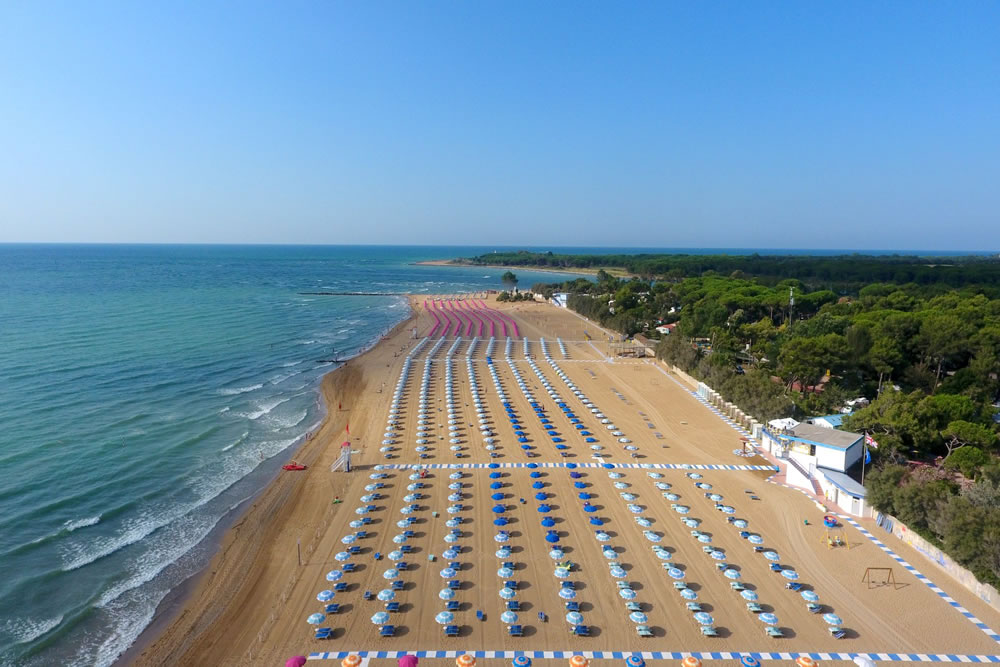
(559, 299)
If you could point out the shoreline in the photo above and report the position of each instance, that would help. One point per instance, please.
(617, 272)
(235, 551)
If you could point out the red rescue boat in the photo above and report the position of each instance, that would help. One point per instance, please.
(293, 465)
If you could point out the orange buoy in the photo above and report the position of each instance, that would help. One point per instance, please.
(691, 661)
(578, 661)
(351, 661)
(465, 660)
(806, 661)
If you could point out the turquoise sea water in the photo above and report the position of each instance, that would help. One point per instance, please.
(145, 391)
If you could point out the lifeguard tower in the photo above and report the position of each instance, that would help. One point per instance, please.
(343, 462)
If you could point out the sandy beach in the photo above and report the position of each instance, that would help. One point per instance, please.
(251, 604)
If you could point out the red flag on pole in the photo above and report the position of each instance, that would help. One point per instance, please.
(348, 428)
(339, 407)
(870, 441)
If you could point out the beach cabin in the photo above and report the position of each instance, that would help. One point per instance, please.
(559, 299)
(819, 458)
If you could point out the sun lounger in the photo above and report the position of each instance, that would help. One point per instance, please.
(451, 631)
(388, 631)
(511, 584)
(515, 631)
(774, 632)
(709, 631)
(623, 585)
(451, 605)
(332, 608)
(721, 565)
(350, 567)
(573, 606)
(737, 586)
(754, 607)
(454, 584)
(406, 548)
(340, 586)
(513, 605)
(643, 631)
(362, 534)
(630, 606)
(581, 630)
(693, 606)
(567, 584)
(408, 533)
(368, 595)
(397, 585)
(508, 564)
(837, 632)
(480, 615)
(679, 585)
(793, 586)
(666, 565)
(324, 633)
(814, 608)
(707, 549)
(402, 566)
(392, 606)
(775, 567)
(758, 549)
(354, 550)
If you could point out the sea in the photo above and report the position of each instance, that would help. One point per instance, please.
(147, 392)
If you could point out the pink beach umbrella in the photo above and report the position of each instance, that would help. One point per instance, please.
(408, 661)
(297, 661)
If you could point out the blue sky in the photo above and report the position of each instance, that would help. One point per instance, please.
(729, 124)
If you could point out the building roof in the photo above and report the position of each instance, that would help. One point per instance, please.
(825, 436)
(783, 424)
(833, 420)
(845, 483)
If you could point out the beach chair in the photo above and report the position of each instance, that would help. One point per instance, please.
(666, 565)
(508, 564)
(454, 584)
(721, 566)
(567, 584)
(324, 633)
(513, 605)
(643, 631)
(511, 584)
(388, 631)
(679, 585)
(814, 608)
(581, 630)
(758, 549)
(754, 607)
(451, 605)
(354, 550)
(837, 633)
(455, 565)
(340, 586)
(572, 606)
(774, 567)
(623, 585)
(696, 534)
(406, 548)
(408, 533)
(709, 631)
(332, 608)
(794, 586)
(774, 632)
(350, 567)
(630, 606)
(542, 617)
(744, 534)
(402, 566)
(392, 606)
(397, 585)
(480, 615)
(515, 630)
(367, 520)
(707, 549)
(693, 606)
(451, 631)
(737, 586)
(368, 596)
(361, 534)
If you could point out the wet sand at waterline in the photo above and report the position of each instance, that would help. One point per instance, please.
(251, 605)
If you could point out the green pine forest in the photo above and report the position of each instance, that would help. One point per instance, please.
(918, 337)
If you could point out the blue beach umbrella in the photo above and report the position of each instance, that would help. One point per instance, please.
(540, 496)
(635, 661)
(499, 509)
(525, 447)
(500, 521)
(380, 618)
(561, 573)
(571, 466)
(580, 485)
(749, 595)
(730, 573)
(544, 508)
(638, 617)
(556, 553)
(584, 495)
(626, 593)
(703, 618)
(832, 619)
(663, 555)
(503, 552)
(688, 594)
(618, 573)
(446, 594)
(495, 475)
(601, 536)
(493, 465)
(810, 596)
(391, 573)
(551, 537)
(535, 474)
(587, 507)
(749, 661)
(575, 475)
(653, 537)
(594, 521)
(548, 522)
(675, 573)
(791, 575)
(453, 523)
(521, 661)
(501, 537)
(450, 554)
(769, 619)
(609, 553)
(507, 593)
(567, 593)
(325, 596)
(315, 619)
(496, 485)
(349, 539)
(704, 538)
(342, 556)
(561, 447)
(508, 617)
(334, 575)
(671, 496)
(386, 595)
(682, 509)
(740, 523)
(538, 485)
(755, 539)
(717, 555)
(574, 618)
(448, 572)
(505, 572)
(772, 556)
(444, 617)
(497, 496)
(532, 465)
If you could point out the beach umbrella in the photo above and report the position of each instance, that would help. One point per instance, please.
(810, 596)
(537, 485)
(368, 497)
(503, 552)
(407, 510)
(505, 572)
(508, 617)
(451, 553)
(805, 661)
(634, 509)
(399, 539)
(749, 595)
(448, 572)
(551, 537)
(717, 555)
(556, 554)
(655, 475)
(453, 523)
(342, 556)
(626, 593)
(864, 661)
(791, 575)
(544, 508)
(446, 594)
(561, 573)
(391, 573)
(671, 496)
(583, 485)
(575, 475)
(415, 476)
(386, 595)
(638, 617)
(380, 618)
(690, 661)
(497, 496)
(663, 486)
(349, 539)
(405, 661)
(454, 497)
(296, 661)
(635, 661)
(455, 486)
(532, 465)
(653, 537)
(832, 619)
(376, 475)
(594, 521)
(602, 536)
(334, 575)
(621, 485)
(715, 497)
(455, 475)
(688, 594)
(618, 573)
(682, 509)
(703, 618)
(704, 538)
(675, 573)
(755, 539)
(740, 523)
(578, 661)
(500, 521)
(574, 618)
(749, 661)
(772, 556)
(507, 593)
(727, 509)
(535, 474)
(548, 522)
(629, 496)
(587, 507)
(499, 509)
(325, 596)
(315, 619)
(540, 496)
(730, 573)
(769, 619)
(444, 617)
(493, 465)
(567, 593)
(521, 661)
(692, 523)
(496, 485)
(501, 537)
(663, 555)
(495, 475)
(403, 523)
(451, 538)
(584, 495)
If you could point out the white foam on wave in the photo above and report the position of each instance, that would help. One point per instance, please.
(70, 526)
(281, 377)
(278, 423)
(306, 342)
(25, 630)
(265, 407)
(238, 441)
(232, 391)
(289, 364)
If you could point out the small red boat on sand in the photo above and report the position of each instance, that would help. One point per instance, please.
(293, 465)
